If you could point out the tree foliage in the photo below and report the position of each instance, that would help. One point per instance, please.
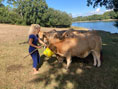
(28, 12)
(109, 4)
(58, 18)
(31, 11)
(1, 4)
(9, 16)
(106, 15)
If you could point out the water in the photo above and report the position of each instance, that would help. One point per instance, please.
(109, 26)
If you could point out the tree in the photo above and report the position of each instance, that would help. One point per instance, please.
(106, 15)
(28, 12)
(109, 4)
(1, 4)
(56, 18)
(31, 11)
(9, 16)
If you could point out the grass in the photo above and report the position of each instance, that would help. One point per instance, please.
(16, 72)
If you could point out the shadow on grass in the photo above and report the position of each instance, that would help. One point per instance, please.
(42, 59)
(82, 74)
(52, 60)
(77, 66)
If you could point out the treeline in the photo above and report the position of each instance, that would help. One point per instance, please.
(105, 16)
(26, 12)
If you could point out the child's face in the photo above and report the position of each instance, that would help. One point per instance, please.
(38, 30)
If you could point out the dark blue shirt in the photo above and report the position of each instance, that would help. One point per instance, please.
(35, 41)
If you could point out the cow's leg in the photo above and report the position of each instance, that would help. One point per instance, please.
(68, 58)
(59, 58)
(98, 58)
(94, 58)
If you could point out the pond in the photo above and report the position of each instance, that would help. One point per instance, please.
(109, 26)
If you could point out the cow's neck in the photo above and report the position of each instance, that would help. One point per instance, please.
(54, 40)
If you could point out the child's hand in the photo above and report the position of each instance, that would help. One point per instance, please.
(38, 47)
(45, 45)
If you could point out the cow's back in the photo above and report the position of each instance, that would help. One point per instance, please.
(86, 44)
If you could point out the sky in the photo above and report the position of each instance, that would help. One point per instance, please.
(75, 7)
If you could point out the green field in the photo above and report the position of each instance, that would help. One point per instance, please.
(16, 72)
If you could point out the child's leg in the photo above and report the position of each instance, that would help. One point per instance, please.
(35, 62)
(38, 60)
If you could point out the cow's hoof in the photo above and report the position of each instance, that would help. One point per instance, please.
(66, 69)
(60, 61)
(95, 65)
(99, 65)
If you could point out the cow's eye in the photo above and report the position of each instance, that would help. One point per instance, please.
(44, 35)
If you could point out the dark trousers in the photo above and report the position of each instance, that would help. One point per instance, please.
(36, 59)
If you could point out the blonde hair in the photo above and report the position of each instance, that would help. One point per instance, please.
(33, 29)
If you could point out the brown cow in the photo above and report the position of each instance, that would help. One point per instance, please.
(81, 46)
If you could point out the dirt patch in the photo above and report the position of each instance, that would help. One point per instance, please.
(15, 67)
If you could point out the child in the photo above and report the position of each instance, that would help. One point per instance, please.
(33, 40)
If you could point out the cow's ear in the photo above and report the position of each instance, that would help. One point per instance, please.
(44, 34)
(64, 34)
(54, 30)
(57, 35)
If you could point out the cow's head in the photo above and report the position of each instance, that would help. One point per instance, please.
(51, 36)
(41, 36)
